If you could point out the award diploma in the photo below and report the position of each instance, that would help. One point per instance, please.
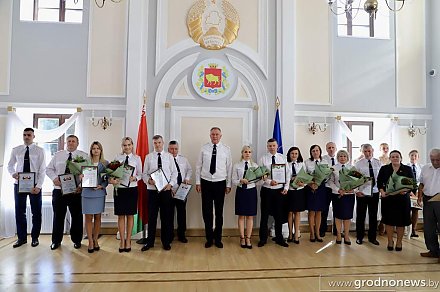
(26, 182)
(159, 178)
(182, 192)
(127, 172)
(90, 176)
(68, 183)
(278, 173)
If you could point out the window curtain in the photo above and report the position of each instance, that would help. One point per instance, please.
(13, 137)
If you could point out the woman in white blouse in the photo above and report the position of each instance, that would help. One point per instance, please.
(344, 204)
(125, 199)
(245, 196)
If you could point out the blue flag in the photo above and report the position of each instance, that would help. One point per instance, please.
(277, 132)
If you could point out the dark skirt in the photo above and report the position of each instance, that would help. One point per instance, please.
(126, 201)
(343, 207)
(246, 202)
(297, 200)
(316, 200)
(396, 210)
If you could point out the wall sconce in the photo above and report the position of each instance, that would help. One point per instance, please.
(413, 130)
(315, 127)
(103, 122)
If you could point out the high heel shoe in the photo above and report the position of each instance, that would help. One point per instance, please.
(127, 249)
(296, 241)
(391, 247)
(96, 246)
(248, 242)
(242, 242)
(338, 241)
(399, 248)
(319, 240)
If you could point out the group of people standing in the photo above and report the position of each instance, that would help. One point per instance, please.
(214, 176)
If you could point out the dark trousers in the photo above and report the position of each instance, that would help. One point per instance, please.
(431, 224)
(213, 192)
(330, 198)
(20, 214)
(59, 205)
(160, 201)
(370, 202)
(272, 202)
(180, 207)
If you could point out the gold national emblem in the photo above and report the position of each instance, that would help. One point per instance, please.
(213, 24)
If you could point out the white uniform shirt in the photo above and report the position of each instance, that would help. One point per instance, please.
(430, 178)
(223, 170)
(363, 167)
(57, 165)
(298, 166)
(185, 168)
(418, 168)
(168, 167)
(238, 171)
(136, 162)
(37, 162)
(326, 158)
(266, 160)
(333, 182)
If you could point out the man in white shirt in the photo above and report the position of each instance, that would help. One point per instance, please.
(330, 159)
(184, 172)
(428, 188)
(58, 166)
(367, 196)
(416, 170)
(213, 181)
(28, 158)
(273, 197)
(159, 198)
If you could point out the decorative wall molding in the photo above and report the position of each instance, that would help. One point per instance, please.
(6, 24)
(241, 86)
(182, 86)
(163, 88)
(177, 113)
(164, 54)
(260, 94)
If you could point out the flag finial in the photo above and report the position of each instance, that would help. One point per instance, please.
(277, 103)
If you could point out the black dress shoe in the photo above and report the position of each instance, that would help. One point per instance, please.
(338, 241)
(167, 247)
(19, 243)
(208, 244)
(296, 241)
(35, 243)
(312, 239)
(54, 246)
(261, 243)
(374, 241)
(282, 243)
(347, 242)
(77, 245)
(90, 250)
(414, 235)
(290, 240)
(146, 247)
(183, 239)
(320, 240)
(121, 250)
(127, 249)
(390, 248)
(359, 241)
(218, 244)
(398, 248)
(96, 248)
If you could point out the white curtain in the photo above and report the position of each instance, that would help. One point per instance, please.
(13, 137)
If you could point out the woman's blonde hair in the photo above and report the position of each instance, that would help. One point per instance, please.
(126, 139)
(101, 155)
(246, 147)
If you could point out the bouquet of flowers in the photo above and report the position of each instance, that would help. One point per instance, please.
(397, 184)
(254, 174)
(350, 179)
(75, 164)
(321, 173)
(114, 169)
(302, 177)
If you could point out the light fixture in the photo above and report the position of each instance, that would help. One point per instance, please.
(97, 2)
(370, 6)
(413, 130)
(103, 122)
(315, 127)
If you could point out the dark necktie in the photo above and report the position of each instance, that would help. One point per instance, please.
(159, 161)
(316, 162)
(26, 162)
(343, 165)
(333, 161)
(179, 175)
(126, 160)
(414, 171)
(244, 186)
(67, 170)
(273, 159)
(370, 169)
(213, 160)
(293, 169)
